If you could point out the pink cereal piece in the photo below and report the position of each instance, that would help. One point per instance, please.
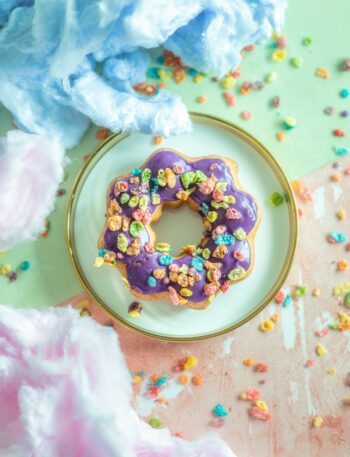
(218, 195)
(224, 287)
(178, 168)
(279, 299)
(218, 422)
(138, 214)
(246, 115)
(173, 295)
(147, 216)
(120, 255)
(207, 187)
(173, 267)
(257, 413)
(149, 248)
(220, 229)
(322, 332)
(229, 98)
(261, 367)
(232, 213)
(192, 271)
(238, 255)
(213, 166)
(253, 394)
(166, 280)
(347, 171)
(310, 363)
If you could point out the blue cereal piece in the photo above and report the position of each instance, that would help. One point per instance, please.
(287, 301)
(225, 239)
(341, 151)
(165, 259)
(136, 172)
(102, 252)
(161, 381)
(339, 237)
(151, 281)
(198, 263)
(204, 209)
(220, 411)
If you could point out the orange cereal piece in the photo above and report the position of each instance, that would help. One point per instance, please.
(183, 379)
(201, 99)
(343, 265)
(157, 139)
(248, 362)
(197, 380)
(336, 177)
(281, 136)
(102, 133)
(179, 75)
(275, 317)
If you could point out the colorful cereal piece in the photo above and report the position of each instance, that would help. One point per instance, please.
(236, 274)
(220, 411)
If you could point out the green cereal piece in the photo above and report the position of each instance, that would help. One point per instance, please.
(134, 201)
(212, 216)
(221, 185)
(240, 234)
(347, 300)
(188, 178)
(122, 242)
(143, 203)
(276, 199)
(161, 177)
(146, 175)
(218, 205)
(135, 228)
(124, 198)
(155, 422)
(200, 176)
(230, 199)
(236, 273)
(206, 253)
(155, 199)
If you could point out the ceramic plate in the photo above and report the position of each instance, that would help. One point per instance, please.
(275, 241)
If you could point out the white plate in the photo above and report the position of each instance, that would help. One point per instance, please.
(275, 240)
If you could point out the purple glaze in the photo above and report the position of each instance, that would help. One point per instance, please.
(140, 267)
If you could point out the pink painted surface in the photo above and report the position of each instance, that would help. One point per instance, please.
(293, 392)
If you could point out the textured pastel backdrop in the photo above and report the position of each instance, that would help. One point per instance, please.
(51, 279)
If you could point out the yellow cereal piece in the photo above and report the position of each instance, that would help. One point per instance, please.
(322, 72)
(212, 216)
(321, 350)
(137, 379)
(332, 371)
(344, 318)
(228, 82)
(267, 326)
(190, 362)
(198, 78)
(85, 313)
(316, 292)
(261, 405)
(5, 268)
(248, 362)
(182, 301)
(184, 292)
(318, 421)
(341, 289)
(278, 55)
(341, 214)
(157, 139)
(99, 261)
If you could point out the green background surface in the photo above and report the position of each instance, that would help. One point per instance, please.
(51, 278)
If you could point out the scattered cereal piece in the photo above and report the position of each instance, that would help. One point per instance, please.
(250, 395)
(337, 177)
(322, 332)
(157, 139)
(261, 367)
(197, 380)
(267, 326)
(336, 237)
(307, 41)
(271, 78)
(316, 292)
(248, 362)
(296, 62)
(201, 99)
(220, 411)
(332, 371)
(346, 65)
(137, 379)
(346, 301)
(24, 266)
(343, 265)
(228, 82)
(344, 93)
(229, 98)
(321, 350)
(310, 363)
(317, 421)
(183, 379)
(246, 115)
(341, 214)
(329, 110)
(85, 313)
(190, 362)
(339, 133)
(102, 133)
(322, 72)
(259, 414)
(276, 101)
(278, 55)
(276, 199)
(155, 422)
(344, 113)
(218, 422)
(275, 318)
(289, 123)
(135, 309)
(281, 136)
(287, 301)
(279, 299)
(341, 151)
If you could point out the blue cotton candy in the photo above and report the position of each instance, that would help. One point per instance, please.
(48, 52)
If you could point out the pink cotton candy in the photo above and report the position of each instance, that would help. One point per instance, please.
(65, 391)
(31, 167)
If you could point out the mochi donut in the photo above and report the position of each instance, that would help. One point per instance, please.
(224, 255)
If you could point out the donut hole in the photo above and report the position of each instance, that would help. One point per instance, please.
(178, 227)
